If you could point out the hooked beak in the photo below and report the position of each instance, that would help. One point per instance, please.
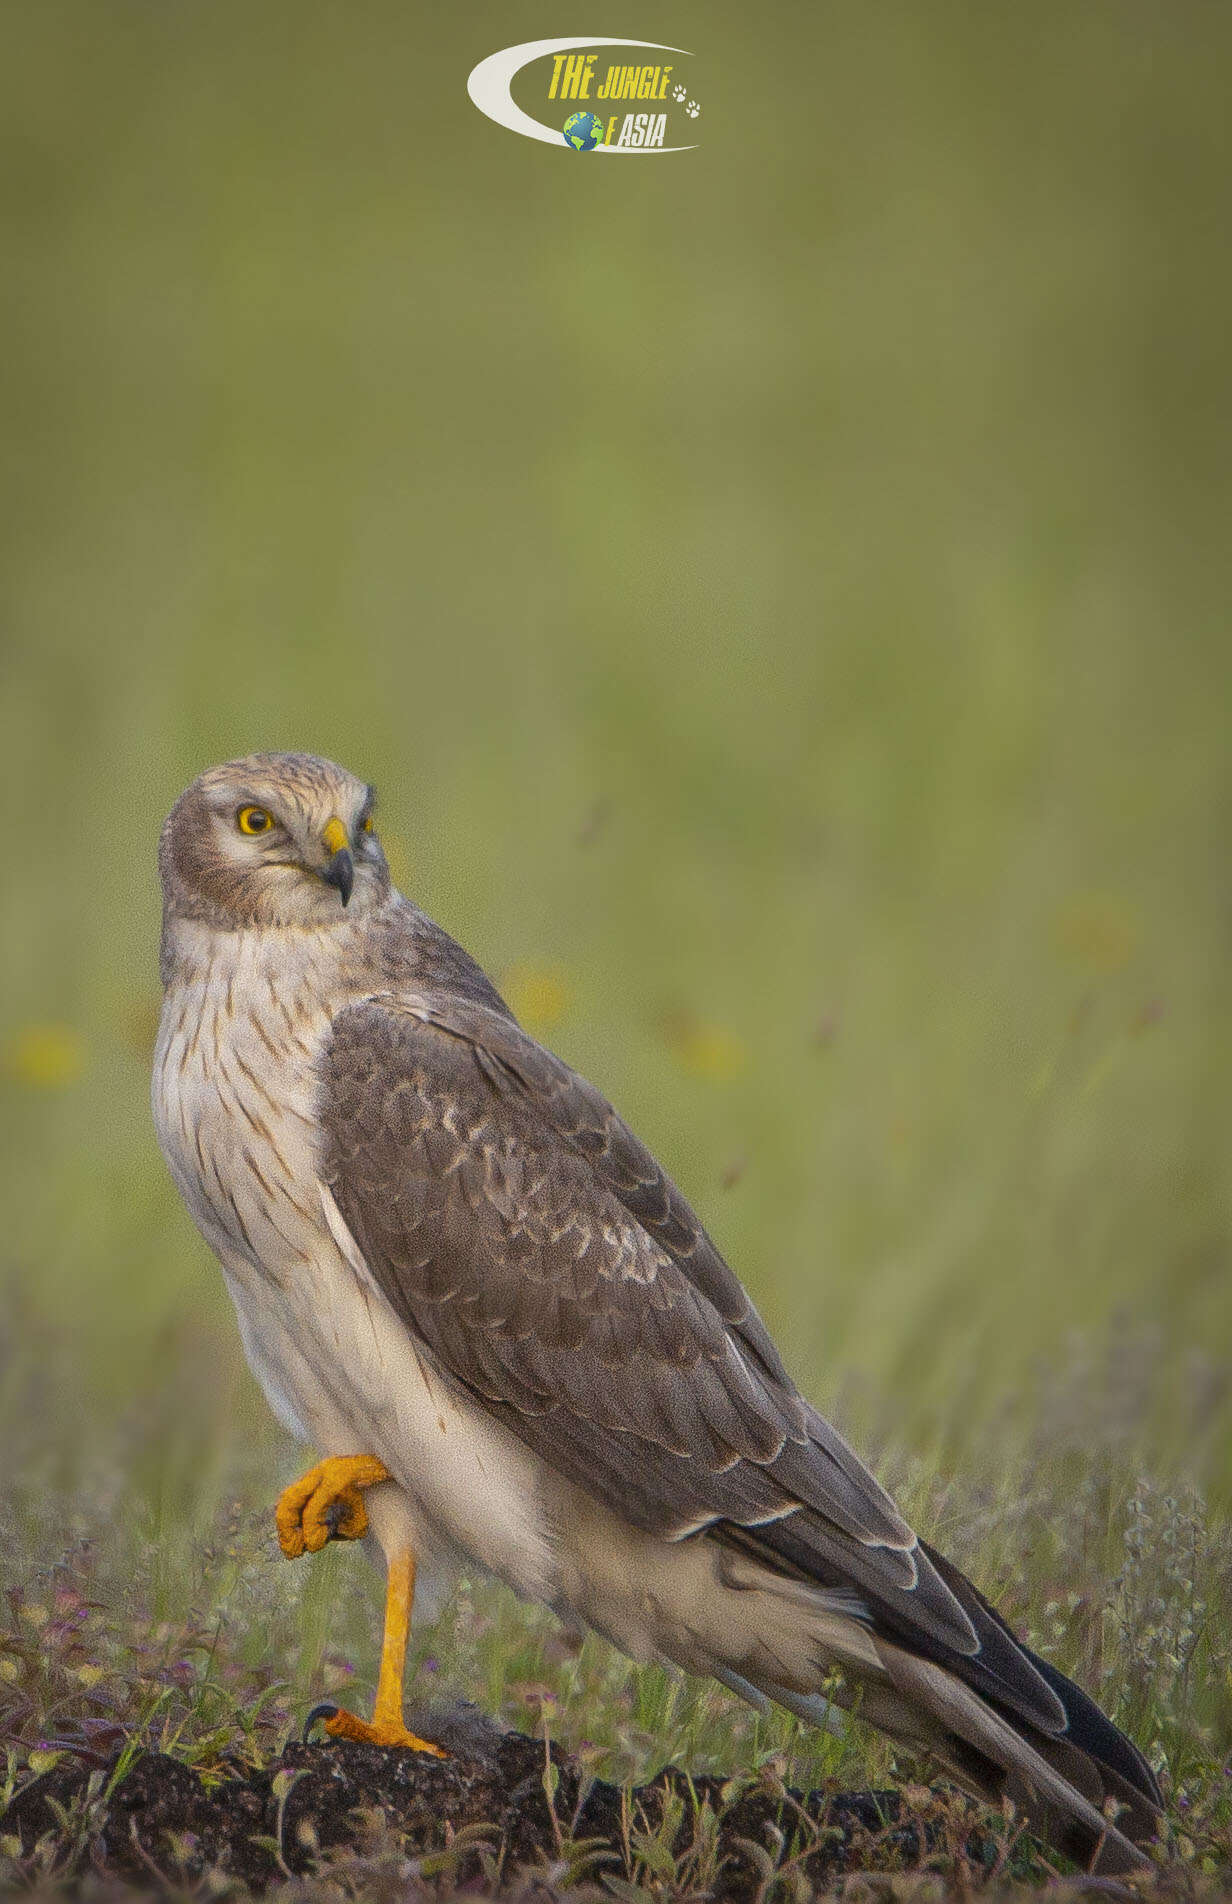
(340, 870)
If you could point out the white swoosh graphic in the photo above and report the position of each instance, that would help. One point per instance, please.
(490, 81)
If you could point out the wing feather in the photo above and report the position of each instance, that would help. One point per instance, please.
(548, 1263)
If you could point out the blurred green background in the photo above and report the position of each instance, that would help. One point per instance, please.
(781, 596)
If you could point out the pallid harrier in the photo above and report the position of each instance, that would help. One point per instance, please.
(464, 1281)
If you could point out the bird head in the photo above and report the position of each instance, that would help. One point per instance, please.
(273, 839)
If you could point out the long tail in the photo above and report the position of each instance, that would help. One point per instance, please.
(1060, 1786)
(1080, 1784)
(1091, 1758)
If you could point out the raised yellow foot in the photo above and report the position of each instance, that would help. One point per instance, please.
(327, 1503)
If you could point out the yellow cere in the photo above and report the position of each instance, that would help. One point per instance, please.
(334, 837)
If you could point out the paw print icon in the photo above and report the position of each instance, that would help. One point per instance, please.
(692, 108)
(679, 95)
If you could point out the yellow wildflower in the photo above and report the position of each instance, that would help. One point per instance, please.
(704, 1050)
(45, 1056)
(1098, 930)
(537, 995)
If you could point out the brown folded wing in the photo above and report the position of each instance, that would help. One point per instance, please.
(548, 1264)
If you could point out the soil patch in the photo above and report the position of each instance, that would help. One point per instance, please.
(501, 1807)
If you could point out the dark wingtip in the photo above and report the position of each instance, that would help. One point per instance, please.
(1085, 1726)
(1093, 1732)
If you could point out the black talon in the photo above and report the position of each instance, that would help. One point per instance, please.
(323, 1711)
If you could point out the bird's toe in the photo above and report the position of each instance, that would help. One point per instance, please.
(341, 1724)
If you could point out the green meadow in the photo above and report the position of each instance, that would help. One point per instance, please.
(780, 592)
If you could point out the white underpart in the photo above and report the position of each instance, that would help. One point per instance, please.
(235, 1107)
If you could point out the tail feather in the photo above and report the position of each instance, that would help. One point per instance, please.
(1060, 1788)
(1094, 1754)
(1003, 1721)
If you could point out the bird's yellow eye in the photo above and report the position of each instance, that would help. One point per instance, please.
(367, 823)
(253, 820)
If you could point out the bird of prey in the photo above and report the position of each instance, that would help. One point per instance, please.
(463, 1280)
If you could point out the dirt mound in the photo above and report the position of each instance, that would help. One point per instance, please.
(501, 1805)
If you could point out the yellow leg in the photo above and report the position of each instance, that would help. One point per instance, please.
(326, 1503)
(387, 1727)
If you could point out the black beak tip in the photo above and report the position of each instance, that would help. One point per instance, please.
(340, 873)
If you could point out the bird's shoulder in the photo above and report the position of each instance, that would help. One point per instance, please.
(457, 1062)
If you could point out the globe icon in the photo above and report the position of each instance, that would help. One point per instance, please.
(583, 131)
